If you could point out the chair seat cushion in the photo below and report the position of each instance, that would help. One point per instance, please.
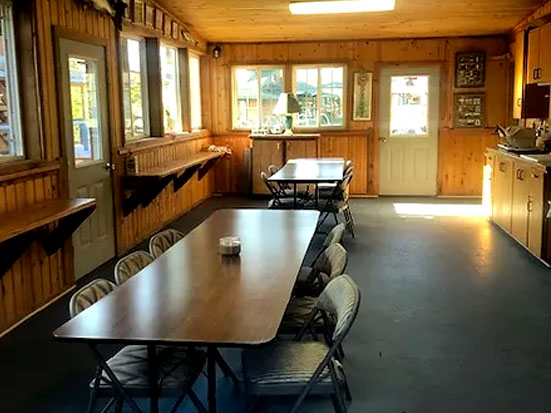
(285, 367)
(178, 368)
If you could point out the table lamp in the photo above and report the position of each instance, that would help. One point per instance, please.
(287, 104)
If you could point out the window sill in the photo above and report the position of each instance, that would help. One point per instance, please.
(144, 144)
(21, 168)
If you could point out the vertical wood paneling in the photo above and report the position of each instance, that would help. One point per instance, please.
(460, 177)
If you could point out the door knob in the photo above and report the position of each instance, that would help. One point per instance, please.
(382, 140)
(109, 167)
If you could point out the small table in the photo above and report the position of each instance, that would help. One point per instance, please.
(309, 171)
(191, 295)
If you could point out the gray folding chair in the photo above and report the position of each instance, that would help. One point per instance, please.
(334, 237)
(178, 367)
(327, 186)
(130, 265)
(162, 241)
(337, 203)
(303, 368)
(277, 201)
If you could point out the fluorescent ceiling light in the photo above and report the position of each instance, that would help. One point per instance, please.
(341, 6)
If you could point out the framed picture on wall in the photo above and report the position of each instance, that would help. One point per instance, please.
(470, 69)
(363, 95)
(469, 110)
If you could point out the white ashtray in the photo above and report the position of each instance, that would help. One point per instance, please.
(229, 246)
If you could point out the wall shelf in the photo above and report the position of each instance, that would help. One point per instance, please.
(142, 188)
(20, 228)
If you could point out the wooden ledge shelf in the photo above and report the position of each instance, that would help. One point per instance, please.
(20, 228)
(143, 187)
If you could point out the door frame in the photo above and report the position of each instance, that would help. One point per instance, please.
(379, 66)
(62, 33)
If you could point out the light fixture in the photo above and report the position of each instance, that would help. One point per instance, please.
(216, 51)
(286, 105)
(341, 6)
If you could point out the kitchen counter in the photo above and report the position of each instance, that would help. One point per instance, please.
(283, 137)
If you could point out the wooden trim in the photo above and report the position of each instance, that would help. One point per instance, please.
(183, 61)
(152, 143)
(17, 170)
(154, 86)
(63, 32)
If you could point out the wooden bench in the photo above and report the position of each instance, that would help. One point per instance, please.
(20, 228)
(143, 187)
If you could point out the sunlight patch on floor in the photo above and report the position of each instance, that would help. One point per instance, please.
(439, 210)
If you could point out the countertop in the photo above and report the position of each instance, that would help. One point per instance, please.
(299, 136)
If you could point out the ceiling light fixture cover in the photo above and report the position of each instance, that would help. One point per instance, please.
(341, 6)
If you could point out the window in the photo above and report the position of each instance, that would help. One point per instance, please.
(195, 91)
(409, 105)
(134, 88)
(255, 93)
(320, 92)
(170, 78)
(11, 143)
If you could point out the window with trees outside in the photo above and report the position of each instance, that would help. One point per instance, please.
(11, 141)
(170, 78)
(134, 88)
(320, 92)
(195, 91)
(256, 90)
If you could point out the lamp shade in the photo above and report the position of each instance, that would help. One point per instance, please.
(286, 104)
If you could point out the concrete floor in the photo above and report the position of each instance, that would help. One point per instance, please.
(455, 317)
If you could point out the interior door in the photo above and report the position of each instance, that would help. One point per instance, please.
(83, 90)
(408, 130)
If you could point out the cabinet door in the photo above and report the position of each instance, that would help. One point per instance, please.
(533, 55)
(519, 76)
(301, 149)
(503, 192)
(519, 219)
(535, 214)
(265, 153)
(545, 55)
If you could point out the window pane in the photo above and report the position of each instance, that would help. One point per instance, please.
(246, 98)
(85, 109)
(171, 90)
(134, 88)
(271, 84)
(195, 91)
(10, 133)
(306, 89)
(409, 105)
(332, 96)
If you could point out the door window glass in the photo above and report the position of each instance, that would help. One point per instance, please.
(85, 106)
(409, 105)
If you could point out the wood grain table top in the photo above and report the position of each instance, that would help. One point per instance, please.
(191, 294)
(310, 170)
(35, 216)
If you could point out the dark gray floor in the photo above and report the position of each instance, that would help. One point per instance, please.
(455, 317)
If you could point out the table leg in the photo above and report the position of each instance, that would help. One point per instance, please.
(153, 379)
(295, 195)
(211, 377)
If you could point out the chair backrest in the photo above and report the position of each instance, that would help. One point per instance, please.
(347, 165)
(272, 169)
(90, 294)
(270, 187)
(162, 241)
(330, 264)
(340, 300)
(130, 265)
(334, 236)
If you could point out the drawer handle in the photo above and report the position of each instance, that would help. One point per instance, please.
(529, 205)
(520, 174)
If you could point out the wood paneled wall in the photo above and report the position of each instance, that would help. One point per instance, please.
(360, 139)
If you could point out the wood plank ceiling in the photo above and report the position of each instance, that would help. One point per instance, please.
(270, 20)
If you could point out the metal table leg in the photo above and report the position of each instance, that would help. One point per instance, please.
(153, 379)
(211, 377)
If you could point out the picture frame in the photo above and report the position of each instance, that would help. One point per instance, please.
(469, 110)
(363, 96)
(470, 70)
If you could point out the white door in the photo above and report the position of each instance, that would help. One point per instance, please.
(408, 130)
(83, 84)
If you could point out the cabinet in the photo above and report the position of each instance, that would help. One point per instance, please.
(519, 199)
(276, 150)
(519, 76)
(539, 55)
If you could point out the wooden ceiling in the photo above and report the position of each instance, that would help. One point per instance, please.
(270, 20)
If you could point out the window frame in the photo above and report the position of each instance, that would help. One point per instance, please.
(319, 67)
(145, 85)
(178, 79)
(13, 85)
(259, 69)
(191, 55)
